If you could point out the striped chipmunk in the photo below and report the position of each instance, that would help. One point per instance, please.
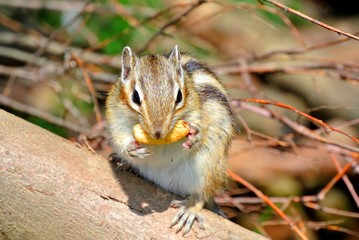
(156, 91)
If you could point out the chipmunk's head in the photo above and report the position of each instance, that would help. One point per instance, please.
(154, 87)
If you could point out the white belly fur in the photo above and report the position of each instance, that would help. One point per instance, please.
(173, 168)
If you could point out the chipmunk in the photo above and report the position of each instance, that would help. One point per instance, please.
(157, 91)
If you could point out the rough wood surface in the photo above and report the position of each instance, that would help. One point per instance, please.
(51, 188)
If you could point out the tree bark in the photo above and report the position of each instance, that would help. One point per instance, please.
(52, 188)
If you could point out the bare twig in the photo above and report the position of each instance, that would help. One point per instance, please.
(320, 69)
(24, 56)
(136, 26)
(308, 201)
(5, 101)
(317, 226)
(250, 7)
(170, 23)
(295, 126)
(268, 201)
(346, 180)
(299, 51)
(57, 48)
(90, 87)
(331, 210)
(313, 119)
(335, 179)
(59, 5)
(20, 72)
(310, 19)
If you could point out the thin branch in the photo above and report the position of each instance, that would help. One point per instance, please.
(136, 26)
(346, 180)
(20, 55)
(5, 101)
(335, 179)
(317, 226)
(321, 69)
(268, 201)
(170, 23)
(20, 72)
(310, 19)
(58, 48)
(59, 5)
(295, 126)
(89, 86)
(313, 119)
(300, 51)
(331, 210)
(308, 201)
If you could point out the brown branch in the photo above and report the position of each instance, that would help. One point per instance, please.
(59, 5)
(345, 124)
(57, 48)
(313, 119)
(299, 51)
(346, 180)
(21, 72)
(310, 19)
(331, 210)
(136, 26)
(335, 179)
(170, 23)
(89, 86)
(308, 201)
(20, 55)
(320, 69)
(317, 226)
(293, 125)
(44, 175)
(268, 201)
(250, 7)
(7, 102)
(37, 75)
(10, 23)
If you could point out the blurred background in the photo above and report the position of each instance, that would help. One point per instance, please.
(58, 59)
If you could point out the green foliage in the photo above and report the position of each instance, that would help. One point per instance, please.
(266, 214)
(152, 3)
(106, 28)
(51, 18)
(274, 18)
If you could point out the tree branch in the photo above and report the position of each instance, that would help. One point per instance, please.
(52, 188)
(310, 19)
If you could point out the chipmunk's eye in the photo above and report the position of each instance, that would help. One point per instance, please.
(179, 97)
(135, 97)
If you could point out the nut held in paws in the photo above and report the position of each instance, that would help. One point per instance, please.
(180, 130)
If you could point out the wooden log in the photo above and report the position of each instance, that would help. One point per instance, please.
(52, 188)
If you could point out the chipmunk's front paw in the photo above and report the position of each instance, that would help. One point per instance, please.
(135, 149)
(193, 137)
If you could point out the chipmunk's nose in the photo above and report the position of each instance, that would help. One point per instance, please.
(158, 133)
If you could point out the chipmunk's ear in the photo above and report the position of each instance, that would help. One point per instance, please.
(175, 57)
(128, 59)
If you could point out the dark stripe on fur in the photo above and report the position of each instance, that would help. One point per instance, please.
(193, 66)
(208, 92)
